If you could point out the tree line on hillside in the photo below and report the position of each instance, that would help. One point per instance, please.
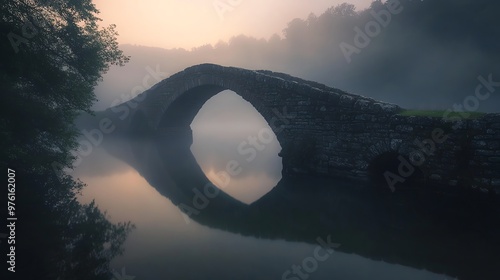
(428, 56)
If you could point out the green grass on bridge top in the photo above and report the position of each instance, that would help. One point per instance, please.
(442, 114)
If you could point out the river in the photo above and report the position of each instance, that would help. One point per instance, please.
(251, 222)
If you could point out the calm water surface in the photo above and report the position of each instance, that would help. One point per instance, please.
(260, 225)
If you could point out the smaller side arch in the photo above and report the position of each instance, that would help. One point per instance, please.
(389, 167)
(392, 169)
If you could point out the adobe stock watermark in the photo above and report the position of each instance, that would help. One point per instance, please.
(427, 147)
(122, 276)
(224, 6)
(248, 148)
(28, 31)
(94, 137)
(310, 264)
(363, 37)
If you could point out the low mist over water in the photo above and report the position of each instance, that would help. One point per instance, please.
(259, 224)
(166, 243)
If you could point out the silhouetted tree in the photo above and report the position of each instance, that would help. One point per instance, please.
(52, 55)
(344, 9)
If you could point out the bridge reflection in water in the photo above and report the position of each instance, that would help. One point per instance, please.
(452, 235)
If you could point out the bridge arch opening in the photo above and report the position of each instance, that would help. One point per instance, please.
(230, 139)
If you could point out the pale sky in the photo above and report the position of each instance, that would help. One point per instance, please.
(193, 23)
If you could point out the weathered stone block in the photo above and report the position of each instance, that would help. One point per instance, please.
(494, 159)
(347, 100)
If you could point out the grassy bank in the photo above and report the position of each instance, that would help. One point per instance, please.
(442, 114)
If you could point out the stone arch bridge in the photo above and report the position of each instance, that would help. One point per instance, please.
(324, 130)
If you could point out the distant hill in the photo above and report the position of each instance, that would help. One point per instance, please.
(429, 55)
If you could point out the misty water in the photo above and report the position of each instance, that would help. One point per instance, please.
(261, 225)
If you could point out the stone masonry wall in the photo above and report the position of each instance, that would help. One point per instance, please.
(324, 130)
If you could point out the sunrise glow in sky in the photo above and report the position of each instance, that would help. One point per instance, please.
(192, 23)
